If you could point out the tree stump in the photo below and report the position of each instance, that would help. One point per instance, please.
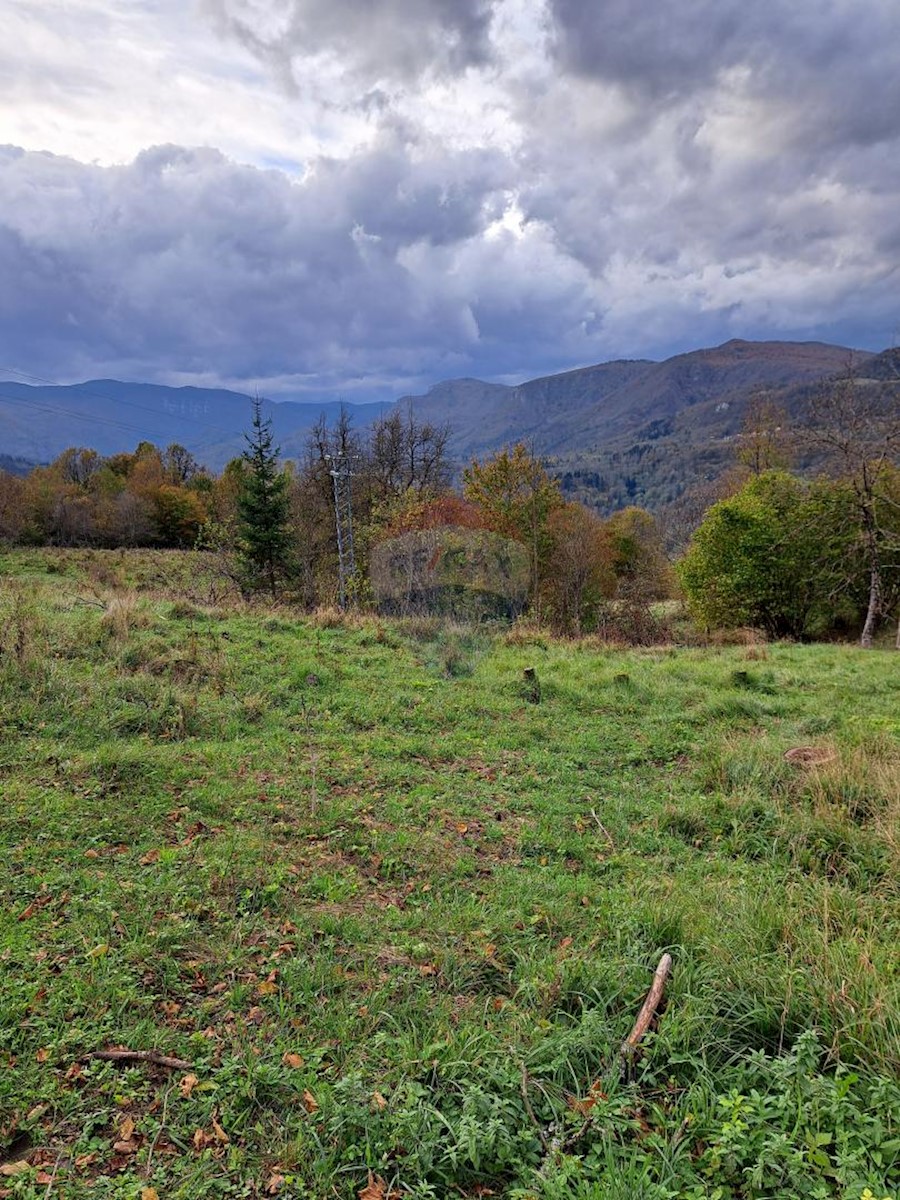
(532, 685)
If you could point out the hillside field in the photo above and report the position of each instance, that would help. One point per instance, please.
(394, 918)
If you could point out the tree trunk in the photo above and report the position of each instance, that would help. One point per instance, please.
(872, 612)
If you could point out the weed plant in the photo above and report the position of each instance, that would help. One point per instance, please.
(398, 918)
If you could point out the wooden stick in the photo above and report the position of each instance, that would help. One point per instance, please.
(650, 1005)
(604, 830)
(150, 1056)
(49, 1191)
(531, 1115)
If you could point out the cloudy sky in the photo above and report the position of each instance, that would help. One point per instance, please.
(358, 198)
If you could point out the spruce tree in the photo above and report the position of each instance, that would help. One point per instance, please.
(264, 541)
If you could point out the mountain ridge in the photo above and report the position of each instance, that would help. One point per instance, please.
(639, 428)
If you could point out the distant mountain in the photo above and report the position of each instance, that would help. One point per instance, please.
(16, 466)
(633, 432)
(616, 433)
(885, 367)
(38, 423)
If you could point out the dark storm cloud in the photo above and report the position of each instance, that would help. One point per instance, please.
(733, 163)
(184, 261)
(833, 66)
(508, 188)
(660, 50)
(392, 39)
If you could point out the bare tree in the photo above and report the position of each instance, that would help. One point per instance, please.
(854, 425)
(78, 465)
(764, 443)
(408, 455)
(179, 464)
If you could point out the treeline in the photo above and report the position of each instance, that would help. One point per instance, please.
(148, 498)
(505, 542)
(371, 519)
(794, 558)
(804, 555)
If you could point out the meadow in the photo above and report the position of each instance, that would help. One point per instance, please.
(389, 914)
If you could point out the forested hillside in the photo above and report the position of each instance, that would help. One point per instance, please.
(615, 434)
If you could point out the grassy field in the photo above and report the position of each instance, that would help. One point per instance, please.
(397, 918)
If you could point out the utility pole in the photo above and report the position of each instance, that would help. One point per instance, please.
(341, 472)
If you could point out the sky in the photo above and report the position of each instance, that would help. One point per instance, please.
(359, 198)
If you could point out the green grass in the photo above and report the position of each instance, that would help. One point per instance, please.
(399, 918)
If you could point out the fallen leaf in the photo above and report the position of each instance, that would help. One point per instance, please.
(15, 1168)
(377, 1189)
(28, 912)
(85, 1160)
(126, 1129)
(462, 827)
(428, 969)
(274, 1185)
(129, 1147)
(44, 1177)
(267, 988)
(92, 854)
(310, 1103)
(42, 1055)
(152, 856)
(564, 944)
(379, 1101)
(187, 1085)
(200, 1139)
(149, 1194)
(37, 1112)
(219, 1131)
(99, 951)
(292, 1060)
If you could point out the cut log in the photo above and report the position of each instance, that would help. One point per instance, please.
(649, 1007)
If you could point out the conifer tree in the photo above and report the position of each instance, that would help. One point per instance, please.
(264, 541)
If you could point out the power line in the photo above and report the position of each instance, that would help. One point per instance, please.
(68, 412)
(113, 422)
(85, 391)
